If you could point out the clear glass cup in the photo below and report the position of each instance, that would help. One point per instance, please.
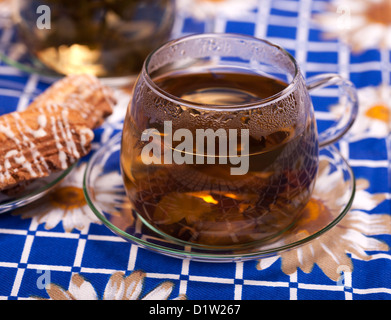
(220, 146)
(100, 37)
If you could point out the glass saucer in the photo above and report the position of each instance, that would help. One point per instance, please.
(25, 194)
(105, 194)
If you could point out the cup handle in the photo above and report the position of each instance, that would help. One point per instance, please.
(348, 90)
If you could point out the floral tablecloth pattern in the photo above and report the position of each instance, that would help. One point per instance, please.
(56, 248)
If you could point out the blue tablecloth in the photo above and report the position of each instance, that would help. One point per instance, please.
(66, 246)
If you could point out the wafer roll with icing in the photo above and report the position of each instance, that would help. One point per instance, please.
(40, 140)
(54, 131)
(83, 93)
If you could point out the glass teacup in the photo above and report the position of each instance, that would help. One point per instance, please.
(220, 144)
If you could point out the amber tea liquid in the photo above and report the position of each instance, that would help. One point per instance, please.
(205, 203)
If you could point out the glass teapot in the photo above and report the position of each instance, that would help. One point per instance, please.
(106, 38)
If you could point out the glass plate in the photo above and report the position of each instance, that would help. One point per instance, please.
(35, 190)
(105, 194)
(23, 195)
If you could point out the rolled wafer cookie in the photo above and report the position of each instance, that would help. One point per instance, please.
(84, 93)
(38, 141)
(54, 131)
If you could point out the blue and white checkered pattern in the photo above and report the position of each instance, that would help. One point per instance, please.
(27, 249)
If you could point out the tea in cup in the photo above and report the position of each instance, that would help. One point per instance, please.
(220, 144)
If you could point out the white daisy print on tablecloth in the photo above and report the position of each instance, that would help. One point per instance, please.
(374, 115)
(363, 24)
(209, 9)
(353, 235)
(67, 205)
(118, 287)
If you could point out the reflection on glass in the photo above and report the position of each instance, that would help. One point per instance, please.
(105, 38)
